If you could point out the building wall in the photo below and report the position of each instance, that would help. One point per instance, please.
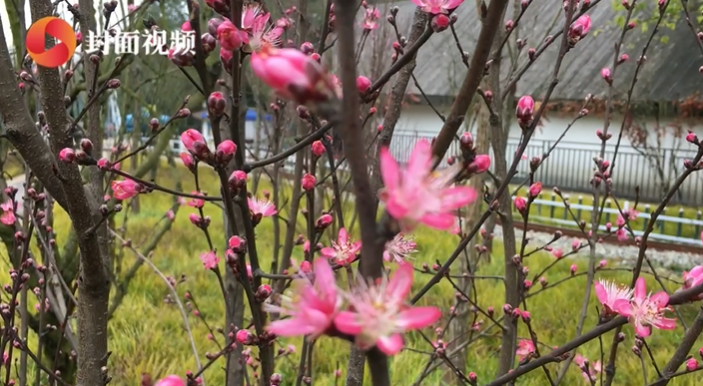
(570, 164)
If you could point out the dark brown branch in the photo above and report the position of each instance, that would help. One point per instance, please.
(476, 70)
(371, 264)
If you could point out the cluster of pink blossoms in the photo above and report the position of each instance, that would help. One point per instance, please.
(642, 309)
(376, 314)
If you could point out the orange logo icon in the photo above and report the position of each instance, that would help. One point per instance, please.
(61, 52)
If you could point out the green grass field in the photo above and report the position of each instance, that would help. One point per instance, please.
(147, 335)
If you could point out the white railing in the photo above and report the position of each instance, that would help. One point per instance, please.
(655, 235)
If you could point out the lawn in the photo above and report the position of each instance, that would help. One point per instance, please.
(147, 335)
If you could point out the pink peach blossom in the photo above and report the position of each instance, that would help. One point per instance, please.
(8, 213)
(313, 306)
(481, 164)
(343, 251)
(415, 194)
(435, 7)
(363, 84)
(209, 259)
(230, 37)
(171, 380)
(693, 278)
(525, 349)
(196, 202)
(379, 316)
(608, 293)
(580, 28)
(525, 109)
(263, 208)
(126, 189)
(292, 74)
(371, 17)
(645, 310)
(558, 253)
(189, 138)
(263, 36)
(399, 248)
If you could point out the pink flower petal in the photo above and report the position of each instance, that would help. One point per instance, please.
(390, 171)
(640, 289)
(601, 292)
(390, 345)
(442, 221)
(291, 327)
(661, 299)
(348, 323)
(623, 307)
(418, 317)
(456, 197)
(324, 279)
(401, 283)
(328, 252)
(643, 331)
(342, 237)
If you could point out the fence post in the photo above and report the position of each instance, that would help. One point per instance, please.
(646, 220)
(608, 205)
(578, 212)
(698, 228)
(551, 209)
(660, 223)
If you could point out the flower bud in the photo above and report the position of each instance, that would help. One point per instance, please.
(466, 141)
(237, 244)
(245, 337)
(363, 84)
(276, 379)
(308, 182)
(324, 221)
(237, 180)
(113, 83)
(225, 152)
(263, 292)
(691, 364)
(318, 148)
(216, 104)
(535, 190)
(440, 22)
(86, 145)
(67, 155)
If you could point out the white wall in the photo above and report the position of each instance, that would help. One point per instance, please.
(570, 164)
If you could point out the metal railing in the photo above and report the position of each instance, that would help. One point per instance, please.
(677, 229)
(570, 167)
